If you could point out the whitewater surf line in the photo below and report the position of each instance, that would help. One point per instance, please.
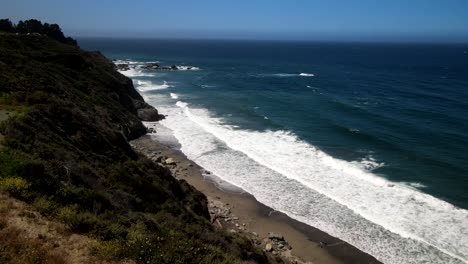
(435, 226)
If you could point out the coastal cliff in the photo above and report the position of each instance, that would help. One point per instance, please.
(66, 116)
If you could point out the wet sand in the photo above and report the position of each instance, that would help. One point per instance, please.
(252, 217)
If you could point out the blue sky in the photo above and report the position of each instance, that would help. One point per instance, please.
(373, 20)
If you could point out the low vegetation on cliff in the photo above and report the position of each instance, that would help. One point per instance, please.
(66, 116)
(36, 27)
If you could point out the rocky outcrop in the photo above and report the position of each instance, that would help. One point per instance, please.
(151, 67)
(274, 236)
(122, 67)
(146, 112)
(276, 242)
(156, 67)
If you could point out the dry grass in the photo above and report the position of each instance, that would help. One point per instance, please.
(28, 237)
(16, 247)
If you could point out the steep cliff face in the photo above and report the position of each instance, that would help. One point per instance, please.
(64, 148)
(65, 73)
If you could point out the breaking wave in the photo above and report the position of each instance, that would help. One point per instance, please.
(394, 222)
(146, 86)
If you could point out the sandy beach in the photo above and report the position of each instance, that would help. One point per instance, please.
(237, 211)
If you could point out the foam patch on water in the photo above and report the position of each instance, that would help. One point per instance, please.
(393, 222)
(287, 75)
(181, 104)
(368, 163)
(133, 62)
(132, 72)
(415, 185)
(307, 74)
(174, 96)
(127, 61)
(187, 68)
(146, 86)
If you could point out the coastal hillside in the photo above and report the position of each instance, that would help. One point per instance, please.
(66, 116)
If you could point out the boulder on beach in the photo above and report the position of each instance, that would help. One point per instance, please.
(170, 161)
(274, 236)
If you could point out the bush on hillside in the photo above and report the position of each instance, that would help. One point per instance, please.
(6, 25)
(34, 26)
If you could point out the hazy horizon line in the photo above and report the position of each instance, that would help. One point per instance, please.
(246, 39)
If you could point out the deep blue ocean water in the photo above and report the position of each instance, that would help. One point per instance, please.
(376, 133)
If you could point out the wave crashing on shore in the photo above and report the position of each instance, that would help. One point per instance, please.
(391, 221)
(145, 86)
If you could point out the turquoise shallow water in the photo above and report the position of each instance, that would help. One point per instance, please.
(377, 132)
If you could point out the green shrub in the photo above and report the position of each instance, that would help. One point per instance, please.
(10, 166)
(45, 206)
(77, 221)
(16, 186)
(137, 232)
(108, 230)
(6, 99)
(108, 250)
(8, 102)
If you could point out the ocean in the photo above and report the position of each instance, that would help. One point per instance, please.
(367, 142)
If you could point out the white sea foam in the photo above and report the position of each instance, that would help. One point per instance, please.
(187, 68)
(393, 222)
(307, 74)
(127, 61)
(145, 86)
(368, 163)
(142, 83)
(181, 104)
(287, 75)
(282, 75)
(132, 62)
(174, 96)
(132, 72)
(416, 185)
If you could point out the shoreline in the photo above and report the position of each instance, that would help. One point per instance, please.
(238, 211)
